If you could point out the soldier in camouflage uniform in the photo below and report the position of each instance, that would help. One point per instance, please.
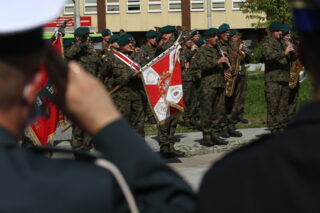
(224, 43)
(277, 61)
(188, 81)
(235, 103)
(104, 73)
(130, 99)
(82, 52)
(208, 66)
(106, 35)
(294, 92)
(148, 50)
(167, 130)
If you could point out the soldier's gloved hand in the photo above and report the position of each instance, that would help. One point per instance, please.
(227, 75)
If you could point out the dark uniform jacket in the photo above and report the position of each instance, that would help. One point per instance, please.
(275, 174)
(31, 183)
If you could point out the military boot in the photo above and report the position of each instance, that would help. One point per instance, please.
(218, 141)
(206, 141)
(235, 133)
(225, 133)
(168, 151)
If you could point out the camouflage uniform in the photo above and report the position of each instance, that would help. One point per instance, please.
(235, 104)
(189, 87)
(130, 99)
(276, 84)
(212, 91)
(90, 62)
(293, 101)
(148, 52)
(105, 74)
(167, 130)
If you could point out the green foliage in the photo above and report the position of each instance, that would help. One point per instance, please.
(267, 11)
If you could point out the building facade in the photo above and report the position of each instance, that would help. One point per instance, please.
(143, 15)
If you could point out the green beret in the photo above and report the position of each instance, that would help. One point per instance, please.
(200, 41)
(125, 39)
(113, 38)
(275, 26)
(67, 42)
(159, 37)
(151, 34)
(105, 32)
(211, 32)
(233, 32)
(81, 31)
(195, 32)
(167, 29)
(286, 29)
(223, 28)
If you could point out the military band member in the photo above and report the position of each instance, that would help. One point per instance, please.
(208, 66)
(277, 56)
(236, 102)
(224, 43)
(167, 130)
(294, 92)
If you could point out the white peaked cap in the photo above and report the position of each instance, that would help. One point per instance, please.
(22, 15)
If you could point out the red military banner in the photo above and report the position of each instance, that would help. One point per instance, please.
(44, 128)
(163, 84)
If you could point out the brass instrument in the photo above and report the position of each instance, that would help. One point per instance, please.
(296, 68)
(234, 68)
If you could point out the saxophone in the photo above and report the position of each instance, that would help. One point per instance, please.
(234, 68)
(295, 68)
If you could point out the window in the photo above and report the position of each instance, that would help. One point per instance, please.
(69, 8)
(236, 4)
(154, 6)
(133, 6)
(197, 5)
(218, 5)
(90, 7)
(174, 6)
(113, 6)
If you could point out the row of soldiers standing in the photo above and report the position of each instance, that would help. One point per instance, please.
(204, 80)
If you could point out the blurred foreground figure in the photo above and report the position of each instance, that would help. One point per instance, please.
(280, 173)
(31, 183)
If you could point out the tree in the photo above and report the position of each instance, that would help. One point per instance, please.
(266, 11)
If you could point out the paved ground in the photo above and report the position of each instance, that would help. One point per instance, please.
(199, 158)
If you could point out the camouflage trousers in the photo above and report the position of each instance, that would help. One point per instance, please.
(190, 100)
(277, 98)
(235, 103)
(293, 101)
(132, 106)
(166, 132)
(212, 111)
(80, 139)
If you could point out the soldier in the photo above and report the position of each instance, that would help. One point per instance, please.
(277, 58)
(82, 52)
(189, 86)
(224, 43)
(130, 98)
(235, 103)
(106, 35)
(294, 92)
(167, 130)
(148, 50)
(208, 66)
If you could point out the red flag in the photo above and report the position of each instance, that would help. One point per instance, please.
(163, 84)
(44, 128)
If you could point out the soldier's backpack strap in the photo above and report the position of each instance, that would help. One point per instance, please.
(98, 160)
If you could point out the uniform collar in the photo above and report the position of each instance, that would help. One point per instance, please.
(6, 139)
(309, 113)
